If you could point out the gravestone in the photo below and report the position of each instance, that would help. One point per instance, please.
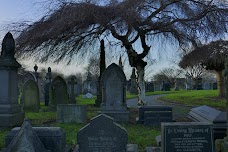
(206, 86)
(154, 115)
(93, 87)
(48, 78)
(30, 96)
(10, 110)
(210, 115)
(58, 91)
(150, 87)
(165, 86)
(87, 84)
(29, 76)
(98, 137)
(53, 138)
(113, 83)
(199, 84)
(215, 86)
(71, 113)
(26, 140)
(177, 84)
(186, 137)
(133, 87)
(72, 99)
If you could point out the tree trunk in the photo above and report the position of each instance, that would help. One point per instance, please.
(141, 85)
(220, 83)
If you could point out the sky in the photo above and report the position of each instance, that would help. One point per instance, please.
(32, 10)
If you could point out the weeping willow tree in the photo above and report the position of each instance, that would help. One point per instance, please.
(73, 26)
(211, 57)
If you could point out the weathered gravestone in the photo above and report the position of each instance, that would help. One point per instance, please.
(58, 91)
(187, 137)
(72, 98)
(53, 138)
(150, 87)
(29, 76)
(30, 96)
(113, 83)
(133, 87)
(102, 135)
(71, 113)
(26, 140)
(10, 110)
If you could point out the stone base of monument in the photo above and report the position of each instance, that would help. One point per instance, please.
(11, 115)
(118, 116)
(154, 115)
(71, 113)
(53, 138)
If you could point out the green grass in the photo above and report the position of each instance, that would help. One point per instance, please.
(196, 98)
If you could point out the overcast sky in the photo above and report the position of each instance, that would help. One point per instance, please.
(32, 10)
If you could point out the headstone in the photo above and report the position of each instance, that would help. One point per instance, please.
(71, 113)
(72, 99)
(166, 86)
(113, 82)
(96, 136)
(210, 115)
(133, 88)
(150, 87)
(53, 138)
(10, 110)
(177, 85)
(199, 84)
(215, 86)
(206, 86)
(87, 84)
(26, 140)
(187, 137)
(48, 78)
(30, 96)
(58, 91)
(154, 115)
(88, 95)
(93, 88)
(29, 76)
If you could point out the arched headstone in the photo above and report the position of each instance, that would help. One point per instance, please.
(29, 76)
(113, 83)
(30, 96)
(58, 91)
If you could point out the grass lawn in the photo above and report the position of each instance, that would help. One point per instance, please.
(196, 98)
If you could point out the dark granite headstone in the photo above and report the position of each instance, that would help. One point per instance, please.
(154, 115)
(58, 91)
(215, 86)
(187, 137)
(102, 135)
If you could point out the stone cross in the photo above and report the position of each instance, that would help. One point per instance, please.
(47, 86)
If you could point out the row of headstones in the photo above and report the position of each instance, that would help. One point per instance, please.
(111, 137)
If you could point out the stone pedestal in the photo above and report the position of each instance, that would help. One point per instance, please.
(10, 110)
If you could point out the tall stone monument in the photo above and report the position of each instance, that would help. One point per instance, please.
(120, 63)
(10, 111)
(72, 98)
(133, 88)
(102, 68)
(113, 84)
(47, 86)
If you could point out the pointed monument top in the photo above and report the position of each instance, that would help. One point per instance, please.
(8, 46)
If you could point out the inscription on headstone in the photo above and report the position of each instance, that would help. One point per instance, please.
(102, 138)
(187, 137)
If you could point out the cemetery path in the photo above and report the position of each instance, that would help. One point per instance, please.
(180, 112)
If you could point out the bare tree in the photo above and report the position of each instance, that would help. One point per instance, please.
(76, 26)
(210, 57)
(168, 75)
(93, 67)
